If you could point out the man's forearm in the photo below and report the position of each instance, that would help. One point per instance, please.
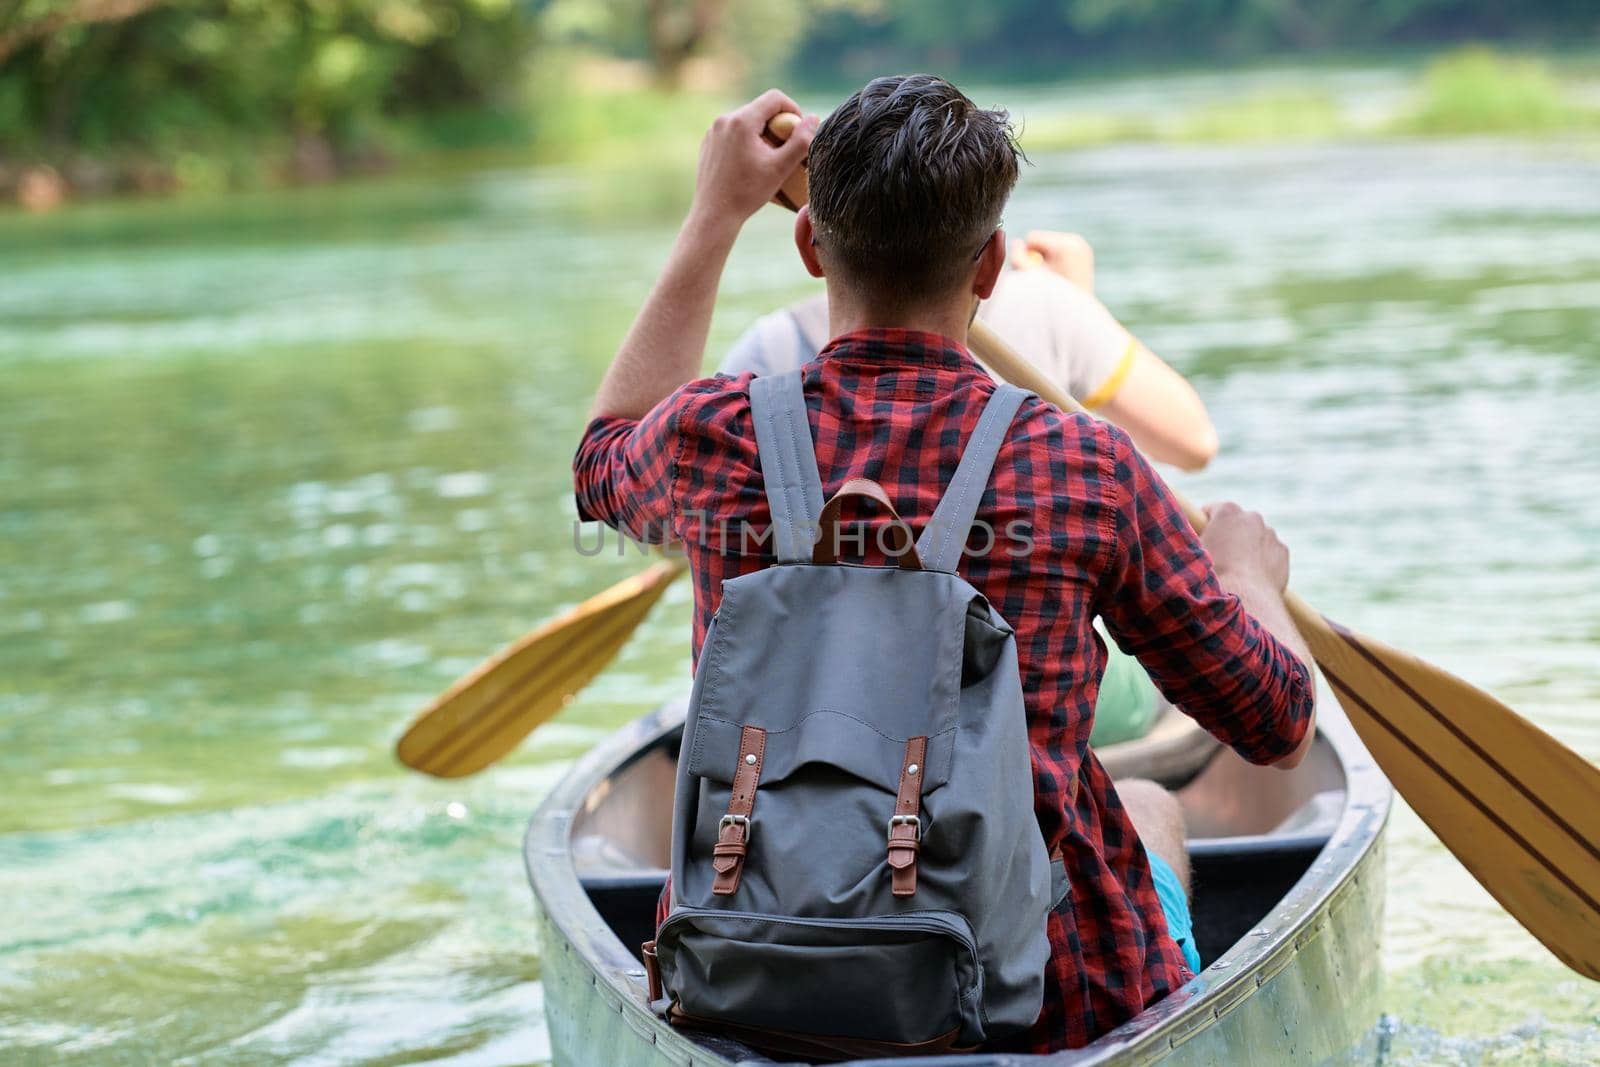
(666, 344)
(1266, 604)
(1162, 413)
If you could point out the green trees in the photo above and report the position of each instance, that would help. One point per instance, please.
(212, 87)
(211, 93)
(1025, 36)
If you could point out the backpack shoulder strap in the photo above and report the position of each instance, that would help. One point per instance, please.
(945, 536)
(788, 463)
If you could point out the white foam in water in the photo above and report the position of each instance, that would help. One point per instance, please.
(339, 535)
(472, 520)
(378, 535)
(151, 792)
(432, 420)
(321, 757)
(394, 652)
(106, 611)
(463, 484)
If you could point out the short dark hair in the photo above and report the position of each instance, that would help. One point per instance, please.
(908, 177)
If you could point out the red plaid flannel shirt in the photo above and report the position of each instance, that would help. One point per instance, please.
(897, 406)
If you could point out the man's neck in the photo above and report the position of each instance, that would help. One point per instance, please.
(949, 318)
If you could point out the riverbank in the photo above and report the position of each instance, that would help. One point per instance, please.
(1472, 92)
(604, 113)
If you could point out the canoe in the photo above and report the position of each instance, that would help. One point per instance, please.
(1288, 870)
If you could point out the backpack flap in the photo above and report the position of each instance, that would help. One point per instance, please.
(817, 817)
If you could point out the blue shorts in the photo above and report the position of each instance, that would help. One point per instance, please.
(1176, 906)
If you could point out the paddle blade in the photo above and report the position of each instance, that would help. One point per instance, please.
(1520, 810)
(486, 713)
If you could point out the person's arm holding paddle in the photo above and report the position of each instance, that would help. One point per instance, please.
(1118, 377)
(1160, 410)
(739, 172)
(1253, 565)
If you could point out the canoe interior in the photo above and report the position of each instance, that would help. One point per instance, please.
(1289, 882)
(1253, 831)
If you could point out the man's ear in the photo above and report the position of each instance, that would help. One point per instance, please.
(806, 241)
(991, 261)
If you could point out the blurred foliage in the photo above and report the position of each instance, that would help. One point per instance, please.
(606, 125)
(204, 84)
(747, 39)
(214, 93)
(1478, 91)
(1015, 37)
(1286, 115)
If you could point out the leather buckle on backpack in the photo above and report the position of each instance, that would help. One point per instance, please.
(905, 820)
(733, 832)
(905, 825)
(727, 855)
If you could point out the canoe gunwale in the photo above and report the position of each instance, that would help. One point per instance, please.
(1346, 873)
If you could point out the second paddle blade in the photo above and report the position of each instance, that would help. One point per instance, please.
(1520, 810)
(489, 711)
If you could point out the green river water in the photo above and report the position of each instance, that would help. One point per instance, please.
(275, 468)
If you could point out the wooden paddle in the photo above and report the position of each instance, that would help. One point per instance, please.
(489, 711)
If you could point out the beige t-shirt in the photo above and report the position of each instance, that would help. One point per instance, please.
(1057, 326)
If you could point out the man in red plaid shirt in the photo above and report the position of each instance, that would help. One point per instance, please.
(908, 179)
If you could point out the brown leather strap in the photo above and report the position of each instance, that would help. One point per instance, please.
(733, 835)
(827, 547)
(905, 829)
(652, 970)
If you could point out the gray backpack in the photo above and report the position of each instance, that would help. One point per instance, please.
(856, 865)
